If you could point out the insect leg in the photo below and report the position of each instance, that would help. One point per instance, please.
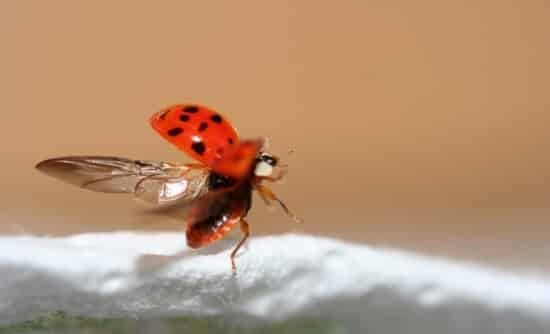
(246, 233)
(276, 178)
(267, 195)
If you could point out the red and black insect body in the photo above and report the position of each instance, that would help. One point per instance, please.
(216, 192)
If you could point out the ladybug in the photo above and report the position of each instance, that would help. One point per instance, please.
(215, 191)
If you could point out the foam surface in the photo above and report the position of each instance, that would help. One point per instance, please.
(279, 278)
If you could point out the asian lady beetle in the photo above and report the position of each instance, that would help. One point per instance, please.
(217, 191)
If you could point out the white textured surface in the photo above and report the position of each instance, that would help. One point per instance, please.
(279, 278)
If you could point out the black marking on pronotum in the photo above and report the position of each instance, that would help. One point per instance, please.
(203, 126)
(216, 118)
(191, 109)
(184, 118)
(268, 159)
(198, 147)
(174, 131)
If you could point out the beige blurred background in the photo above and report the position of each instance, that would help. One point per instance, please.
(420, 125)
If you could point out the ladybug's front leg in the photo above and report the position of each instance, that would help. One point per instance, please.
(278, 176)
(267, 195)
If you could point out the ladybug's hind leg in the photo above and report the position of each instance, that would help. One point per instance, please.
(268, 195)
(246, 233)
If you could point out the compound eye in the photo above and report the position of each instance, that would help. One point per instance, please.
(272, 161)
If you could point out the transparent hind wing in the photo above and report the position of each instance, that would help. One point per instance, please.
(168, 190)
(154, 182)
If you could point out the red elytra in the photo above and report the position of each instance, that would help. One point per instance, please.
(203, 134)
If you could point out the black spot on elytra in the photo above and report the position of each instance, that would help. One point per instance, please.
(184, 118)
(203, 126)
(198, 147)
(230, 141)
(191, 109)
(174, 131)
(216, 118)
